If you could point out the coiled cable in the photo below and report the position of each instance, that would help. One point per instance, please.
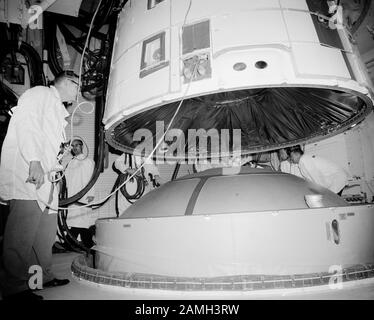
(140, 182)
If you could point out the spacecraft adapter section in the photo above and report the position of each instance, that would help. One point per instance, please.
(236, 65)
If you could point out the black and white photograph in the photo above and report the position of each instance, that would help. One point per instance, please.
(186, 156)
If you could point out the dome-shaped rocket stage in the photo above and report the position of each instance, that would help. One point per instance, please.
(276, 72)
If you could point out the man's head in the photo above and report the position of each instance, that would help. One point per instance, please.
(295, 153)
(66, 84)
(283, 156)
(77, 149)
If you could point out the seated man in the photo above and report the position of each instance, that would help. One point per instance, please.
(319, 170)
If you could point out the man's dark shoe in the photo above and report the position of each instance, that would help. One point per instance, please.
(23, 295)
(56, 283)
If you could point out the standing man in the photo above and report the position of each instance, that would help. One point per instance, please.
(78, 173)
(28, 160)
(319, 170)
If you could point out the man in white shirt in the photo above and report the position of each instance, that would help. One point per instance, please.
(286, 165)
(320, 170)
(28, 160)
(78, 173)
(280, 161)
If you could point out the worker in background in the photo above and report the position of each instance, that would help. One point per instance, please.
(77, 174)
(28, 160)
(319, 170)
(286, 165)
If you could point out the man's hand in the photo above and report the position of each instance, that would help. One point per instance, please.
(157, 180)
(130, 171)
(36, 174)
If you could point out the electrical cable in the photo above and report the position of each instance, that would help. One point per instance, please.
(139, 178)
(86, 45)
(148, 157)
(33, 60)
(154, 149)
(67, 240)
(63, 211)
(95, 61)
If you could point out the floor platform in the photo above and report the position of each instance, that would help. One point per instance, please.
(83, 290)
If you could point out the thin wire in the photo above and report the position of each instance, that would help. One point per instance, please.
(86, 45)
(68, 148)
(77, 98)
(78, 107)
(187, 12)
(144, 162)
(158, 143)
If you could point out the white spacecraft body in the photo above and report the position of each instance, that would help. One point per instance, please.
(223, 51)
(273, 69)
(256, 222)
(255, 230)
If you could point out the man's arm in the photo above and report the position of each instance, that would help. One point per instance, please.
(120, 164)
(30, 138)
(36, 174)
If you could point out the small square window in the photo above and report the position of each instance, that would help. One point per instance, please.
(196, 37)
(153, 55)
(153, 3)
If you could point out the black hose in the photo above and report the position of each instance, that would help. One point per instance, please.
(51, 44)
(8, 99)
(361, 18)
(176, 171)
(67, 240)
(116, 207)
(104, 13)
(31, 56)
(99, 156)
(100, 141)
(140, 181)
(51, 21)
